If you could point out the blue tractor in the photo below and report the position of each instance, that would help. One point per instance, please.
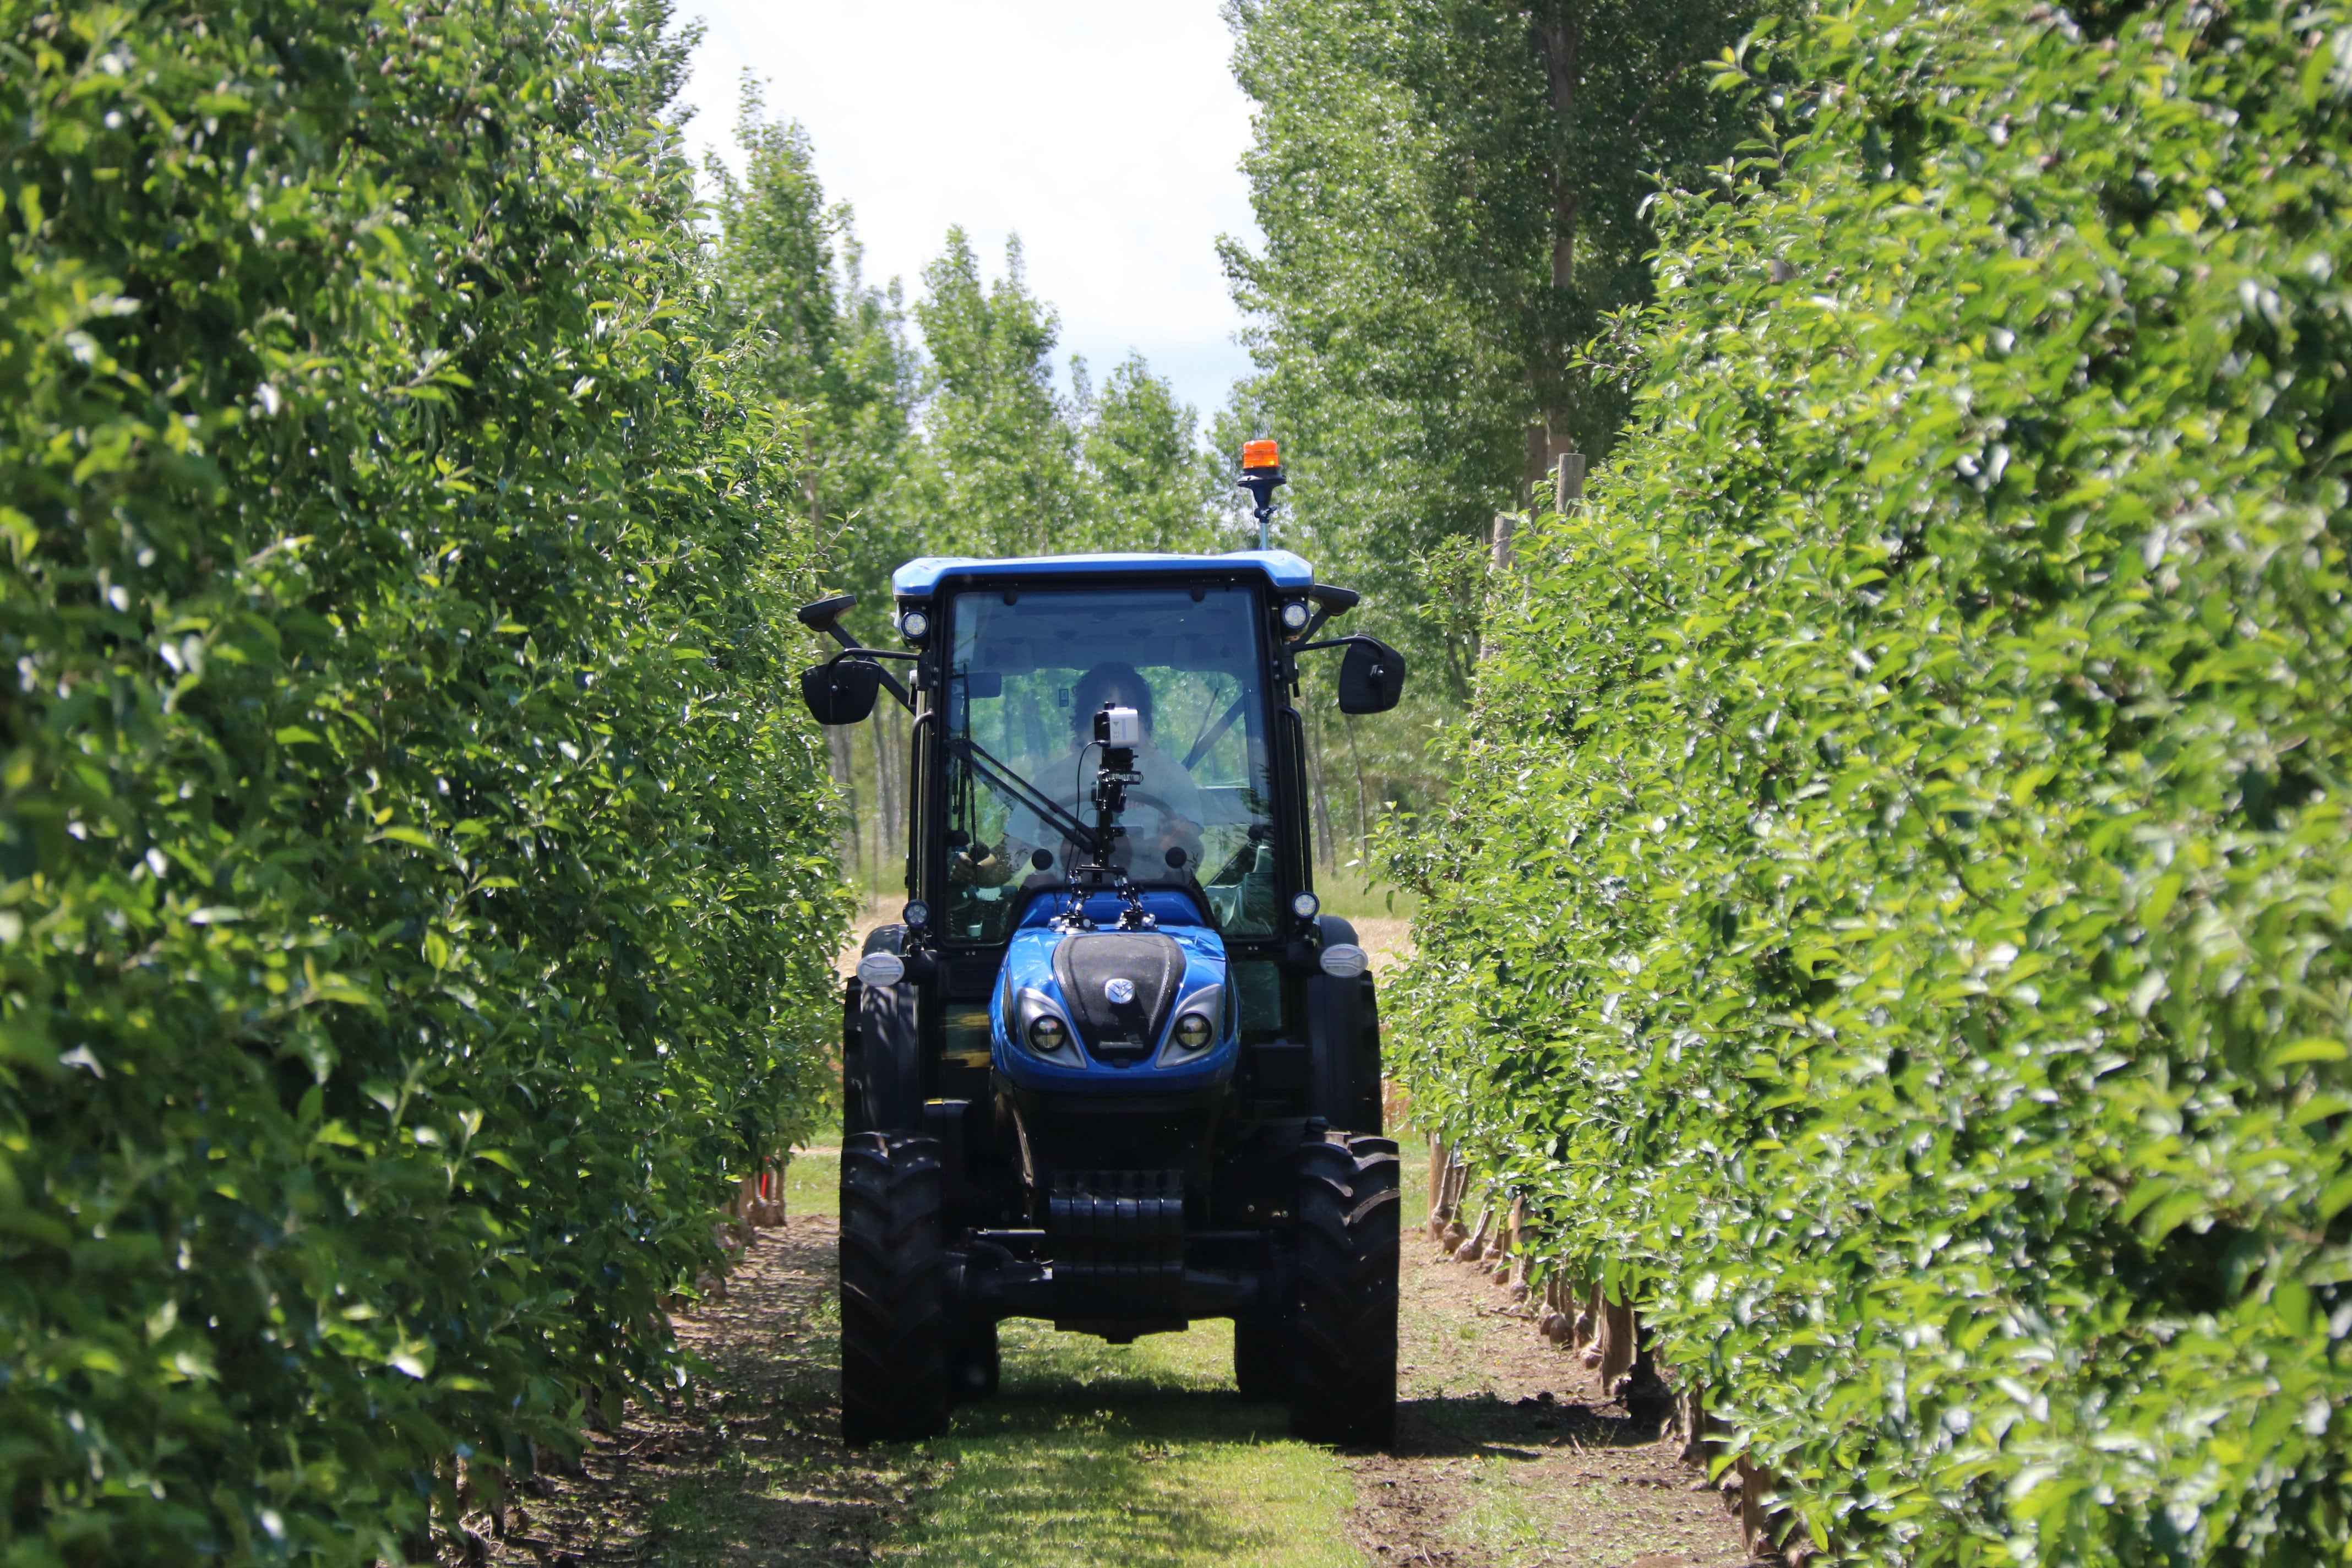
(1115, 1070)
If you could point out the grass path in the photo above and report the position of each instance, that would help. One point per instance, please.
(1137, 1456)
(1113, 1454)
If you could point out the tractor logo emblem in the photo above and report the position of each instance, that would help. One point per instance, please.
(1120, 991)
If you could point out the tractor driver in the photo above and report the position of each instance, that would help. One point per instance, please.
(1162, 842)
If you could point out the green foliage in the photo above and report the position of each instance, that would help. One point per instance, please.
(804, 326)
(1893, 924)
(1451, 193)
(1148, 484)
(1008, 468)
(998, 474)
(962, 447)
(414, 895)
(1452, 196)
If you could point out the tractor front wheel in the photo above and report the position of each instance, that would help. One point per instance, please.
(1343, 1382)
(894, 1350)
(975, 1365)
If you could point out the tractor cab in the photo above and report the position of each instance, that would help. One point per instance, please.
(1026, 675)
(1114, 1068)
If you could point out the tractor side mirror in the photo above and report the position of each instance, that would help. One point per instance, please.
(1371, 677)
(841, 690)
(820, 616)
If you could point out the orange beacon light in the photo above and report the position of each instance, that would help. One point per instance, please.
(1261, 472)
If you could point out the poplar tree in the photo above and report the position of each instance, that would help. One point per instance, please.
(1010, 467)
(806, 329)
(1453, 198)
(999, 471)
(1150, 484)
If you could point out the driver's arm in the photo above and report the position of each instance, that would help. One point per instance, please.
(978, 866)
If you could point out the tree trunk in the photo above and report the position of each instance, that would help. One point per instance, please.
(845, 778)
(884, 794)
(900, 804)
(1559, 39)
(1363, 819)
(1326, 846)
(1559, 29)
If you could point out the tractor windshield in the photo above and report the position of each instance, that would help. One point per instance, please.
(1024, 681)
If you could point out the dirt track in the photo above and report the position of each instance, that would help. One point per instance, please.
(759, 1459)
(1506, 1454)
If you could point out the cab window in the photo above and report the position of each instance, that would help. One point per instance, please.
(1023, 682)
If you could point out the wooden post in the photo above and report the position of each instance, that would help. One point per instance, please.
(1568, 480)
(1498, 564)
(1457, 1187)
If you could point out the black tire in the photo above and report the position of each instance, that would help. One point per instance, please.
(1265, 1350)
(894, 1363)
(1343, 1383)
(975, 1365)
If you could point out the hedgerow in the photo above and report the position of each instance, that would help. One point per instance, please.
(415, 898)
(1891, 925)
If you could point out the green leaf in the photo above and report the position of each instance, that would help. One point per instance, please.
(2311, 1048)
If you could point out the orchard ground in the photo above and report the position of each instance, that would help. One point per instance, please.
(1126, 1455)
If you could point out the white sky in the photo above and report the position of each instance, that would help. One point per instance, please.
(1107, 135)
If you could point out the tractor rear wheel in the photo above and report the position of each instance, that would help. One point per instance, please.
(1343, 1386)
(894, 1363)
(1263, 1351)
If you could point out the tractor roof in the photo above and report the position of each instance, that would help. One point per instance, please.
(917, 579)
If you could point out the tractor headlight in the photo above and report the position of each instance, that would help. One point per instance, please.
(1196, 1027)
(1295, 616)
(1304, 905)
(1039, 1028)
(880, 971)
(915, 625)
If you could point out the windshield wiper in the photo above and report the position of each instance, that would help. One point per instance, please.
(1000, 774)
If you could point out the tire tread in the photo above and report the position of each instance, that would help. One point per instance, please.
(1343, 1386)
(894, 1383)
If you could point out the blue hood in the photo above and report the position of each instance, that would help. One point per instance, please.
(1098, 1056)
